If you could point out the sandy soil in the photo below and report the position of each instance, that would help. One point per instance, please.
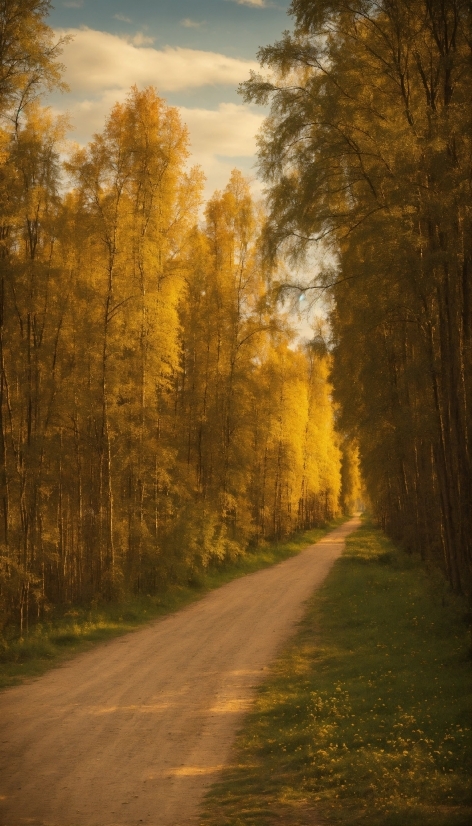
(134, 731)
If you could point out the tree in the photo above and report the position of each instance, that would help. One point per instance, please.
(28, 201)
(32, 312)
(224, 321)
(366, 150)
(28, 55)
(139, 207)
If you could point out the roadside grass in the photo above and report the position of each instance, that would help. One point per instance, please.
(365, 718)
(73, 629)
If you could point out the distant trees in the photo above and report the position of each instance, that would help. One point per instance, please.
(367, 150)
(156, 413)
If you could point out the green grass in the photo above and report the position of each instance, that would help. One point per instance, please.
(365, 719)
(78, 628)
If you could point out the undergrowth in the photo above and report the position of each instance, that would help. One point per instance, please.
(72, 629)
(365, 719)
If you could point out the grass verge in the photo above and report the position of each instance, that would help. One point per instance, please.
(365, 719)
(78, 628)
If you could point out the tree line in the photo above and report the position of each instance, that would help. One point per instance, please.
(367, 155)
(156, 411)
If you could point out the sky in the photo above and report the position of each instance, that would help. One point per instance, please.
(195, 52)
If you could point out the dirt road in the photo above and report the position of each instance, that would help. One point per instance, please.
(134, 731)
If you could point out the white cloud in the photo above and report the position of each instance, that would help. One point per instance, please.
(191, 24)
(229, 131)
(101, 68)
(73, 4)
(139, 39)
(99, 60)
(222, 139)
(259, 3)
(122, 17)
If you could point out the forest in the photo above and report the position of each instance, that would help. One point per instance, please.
(367, 153)
(158, 412)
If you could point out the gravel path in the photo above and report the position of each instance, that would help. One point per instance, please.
(135, 730)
